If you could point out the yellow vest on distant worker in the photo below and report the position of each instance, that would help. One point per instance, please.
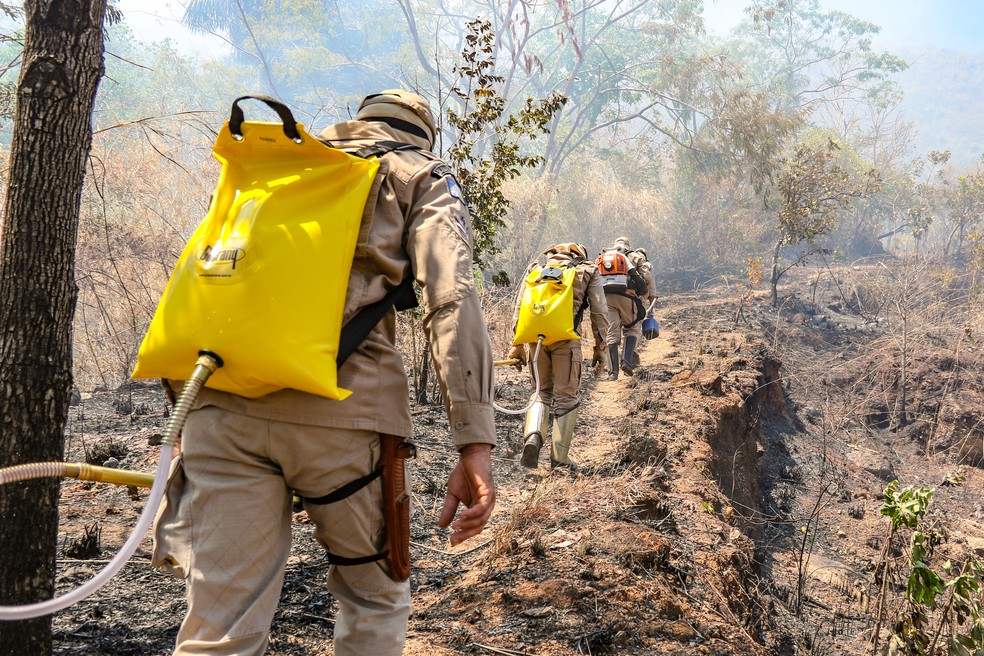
(262, 280)
(547, 306)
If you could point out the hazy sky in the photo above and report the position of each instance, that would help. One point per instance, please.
(152, 17)
(949, 24)
(154, 20)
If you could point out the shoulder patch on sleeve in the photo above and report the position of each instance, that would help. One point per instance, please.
(442, 170)
(454, 188)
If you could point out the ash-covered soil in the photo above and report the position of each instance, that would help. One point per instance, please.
(728, 501)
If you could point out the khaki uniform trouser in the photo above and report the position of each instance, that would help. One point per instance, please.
(635, 329)
(559, 367)
(621, 311)
(225, 527)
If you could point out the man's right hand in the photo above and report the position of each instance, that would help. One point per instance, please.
(470, 485)
(518, 353)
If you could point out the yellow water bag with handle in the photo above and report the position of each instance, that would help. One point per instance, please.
(262, 281)
(547, 306)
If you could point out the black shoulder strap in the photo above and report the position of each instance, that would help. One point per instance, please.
(382, 147)
(640, 311)
(355, 331)
(579, 315)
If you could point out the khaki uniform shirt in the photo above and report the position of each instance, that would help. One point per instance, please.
(597, 304)
(645, 269)
(419, 223)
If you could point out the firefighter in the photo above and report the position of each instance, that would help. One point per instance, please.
(633, 333)
(622, 283)
(559, 363)
(225, 525)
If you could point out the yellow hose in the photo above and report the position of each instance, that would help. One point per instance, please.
(79, 470)
(86, 472)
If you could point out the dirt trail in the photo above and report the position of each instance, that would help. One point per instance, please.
(601, 562)
(603, 405)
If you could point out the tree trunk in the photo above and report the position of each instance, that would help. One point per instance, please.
(62, 64)
(776, 273)
(902, 418)
(422, 381)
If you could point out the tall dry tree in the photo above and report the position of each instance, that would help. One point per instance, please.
(62, 65)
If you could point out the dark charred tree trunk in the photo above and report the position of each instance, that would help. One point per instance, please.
(62, 64)
(422, 380)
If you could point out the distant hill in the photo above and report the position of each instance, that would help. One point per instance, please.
(943, 97)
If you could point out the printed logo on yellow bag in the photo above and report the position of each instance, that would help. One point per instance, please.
(220, 260)
(547, 306)
(226, 261)
(262, 280)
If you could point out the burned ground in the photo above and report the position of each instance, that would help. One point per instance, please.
(728, 502)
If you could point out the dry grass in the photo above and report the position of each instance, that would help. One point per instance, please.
(558, 501)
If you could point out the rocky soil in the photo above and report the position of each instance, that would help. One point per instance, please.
(728, 501)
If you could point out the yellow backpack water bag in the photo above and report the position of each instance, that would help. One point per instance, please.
(547, 306)
(262, 280)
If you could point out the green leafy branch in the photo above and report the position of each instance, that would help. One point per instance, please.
(953, 598)
(487, 152)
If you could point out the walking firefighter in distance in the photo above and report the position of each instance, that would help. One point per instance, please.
(623, 284)
(225, 523)
(558, 364)
(634, 332)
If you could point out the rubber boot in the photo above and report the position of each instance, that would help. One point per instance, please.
(537, 424)
(613, 359)
(560, 444)
(636, 360)
(628, 358)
